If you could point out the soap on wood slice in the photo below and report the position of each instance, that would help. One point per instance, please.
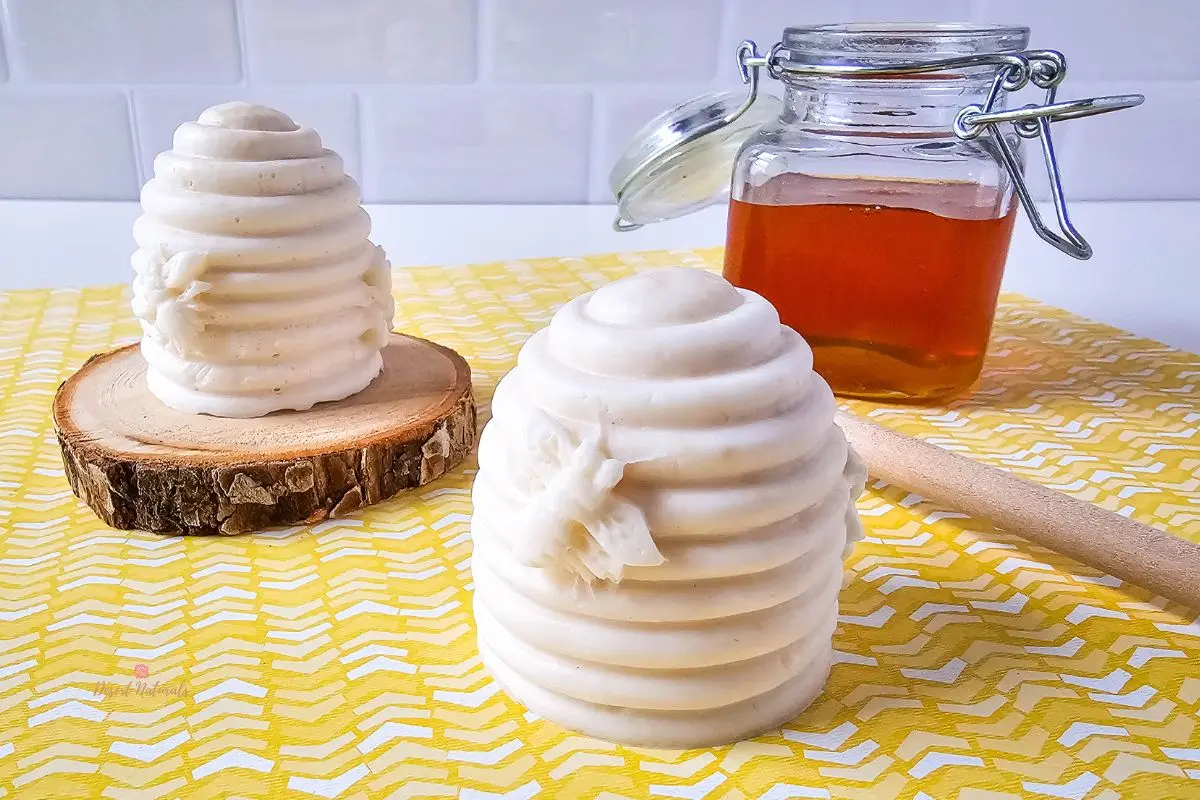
(140, 464)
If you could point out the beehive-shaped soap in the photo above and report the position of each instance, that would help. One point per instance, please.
(257, 288)
(662, 508)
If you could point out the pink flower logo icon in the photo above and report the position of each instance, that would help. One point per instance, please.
(141, 672)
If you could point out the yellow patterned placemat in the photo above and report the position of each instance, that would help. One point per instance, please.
(339, 660)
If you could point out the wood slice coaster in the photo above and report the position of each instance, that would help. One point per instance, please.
(140, 464)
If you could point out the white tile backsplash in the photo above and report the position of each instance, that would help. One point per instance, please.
(477, 145)
(66, 144)
(552, 41)
(360, 41)
(333, 113)
(123, 41)
(512, 100)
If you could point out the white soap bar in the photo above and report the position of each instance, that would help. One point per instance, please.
(256, 286)
(662, 508)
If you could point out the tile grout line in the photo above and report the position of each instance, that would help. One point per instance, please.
(239, 23)
(725, 32)
(4, 57)
(598, 118)
(485, 23)
(593, 146)
(135, 136)
(361, 127)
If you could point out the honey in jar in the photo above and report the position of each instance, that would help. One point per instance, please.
(892, 283)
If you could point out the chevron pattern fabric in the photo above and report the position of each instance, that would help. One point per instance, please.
(338, 660)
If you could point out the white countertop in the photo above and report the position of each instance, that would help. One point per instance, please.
(1145, 276)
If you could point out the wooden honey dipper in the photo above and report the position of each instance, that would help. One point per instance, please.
(1165, 564)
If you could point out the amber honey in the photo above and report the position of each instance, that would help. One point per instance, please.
(893, 284)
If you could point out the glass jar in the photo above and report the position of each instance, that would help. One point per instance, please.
(878, 234)
(868, 206)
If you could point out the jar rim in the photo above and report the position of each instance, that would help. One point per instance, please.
(885, 43)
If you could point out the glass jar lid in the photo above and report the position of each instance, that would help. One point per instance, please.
(680, 161)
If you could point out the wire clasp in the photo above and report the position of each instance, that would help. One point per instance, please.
(1045, 69)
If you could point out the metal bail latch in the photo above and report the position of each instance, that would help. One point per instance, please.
(1045, 69)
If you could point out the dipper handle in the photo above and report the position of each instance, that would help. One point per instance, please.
(1165, 564)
